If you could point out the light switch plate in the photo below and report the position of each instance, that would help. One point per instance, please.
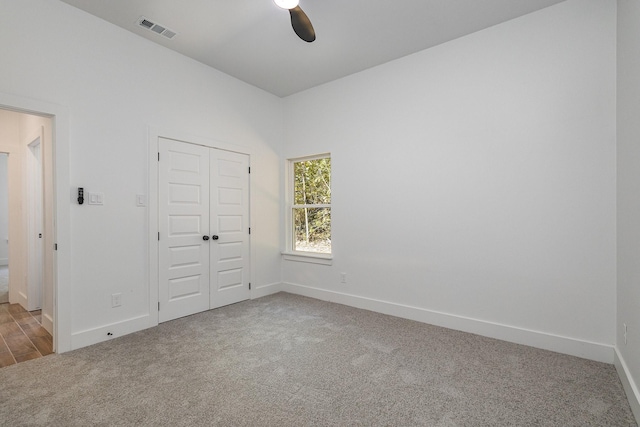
(96, 198)
(141, 200)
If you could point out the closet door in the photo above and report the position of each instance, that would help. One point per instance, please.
(203, 217)
(184, 238)
(229, 228)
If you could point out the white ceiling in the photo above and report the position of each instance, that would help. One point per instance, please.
(253, 41)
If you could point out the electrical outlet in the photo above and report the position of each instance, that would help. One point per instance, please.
(343, 277)
(625, 333)
(116, 300)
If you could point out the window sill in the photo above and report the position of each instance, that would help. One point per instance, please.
(309, 257)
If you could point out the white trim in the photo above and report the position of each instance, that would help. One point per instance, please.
(319, 205)
(630, 387)
(152, 224)
(196, 139)
(62, 278)
(4, 261)
(309, 257)
(289, 253)
(47, 322)
(571, 346)
(22, 299)
(311, 157)
(263, 291)
(139, 323)
(101, 333)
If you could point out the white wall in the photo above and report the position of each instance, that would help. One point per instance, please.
(629, 198)
(4, 209)
(116, 87)
(475, 181)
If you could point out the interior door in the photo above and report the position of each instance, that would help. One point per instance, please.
(203, 218)
(35, 224)
(183, 200)
(229, 228)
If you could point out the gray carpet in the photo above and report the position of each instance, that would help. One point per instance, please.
(4, 284)
(286, 360)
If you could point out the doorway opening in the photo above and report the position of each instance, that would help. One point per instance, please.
(26, 236)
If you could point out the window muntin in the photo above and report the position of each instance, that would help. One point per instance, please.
(311, 207)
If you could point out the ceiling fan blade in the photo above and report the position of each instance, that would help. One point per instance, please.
(302, 25)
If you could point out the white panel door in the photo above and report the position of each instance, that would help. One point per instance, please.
(35, 224)
(183, 201)
(229, 228)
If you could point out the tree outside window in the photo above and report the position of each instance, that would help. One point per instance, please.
(311, 210)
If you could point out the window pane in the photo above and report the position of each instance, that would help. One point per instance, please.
(312, 182)
(312, 229)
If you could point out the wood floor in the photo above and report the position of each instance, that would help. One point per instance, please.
(22, 336)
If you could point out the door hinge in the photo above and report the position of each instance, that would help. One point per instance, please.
(249, 169)
(55, 246)
(158, 156)
(249, 230)
(249, 285)
(158, 235)
(158, 305)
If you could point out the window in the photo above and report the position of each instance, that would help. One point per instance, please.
(310, 205)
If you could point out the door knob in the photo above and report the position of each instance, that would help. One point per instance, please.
(215, 237)
(205, 237)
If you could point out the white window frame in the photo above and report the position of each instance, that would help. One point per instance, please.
(290, 253)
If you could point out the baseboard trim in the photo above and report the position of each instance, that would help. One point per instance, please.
(263, 291)
(630, 387)
(571, 346)
(22, 299)
(47, 323)
(128, 326)
(117, 329)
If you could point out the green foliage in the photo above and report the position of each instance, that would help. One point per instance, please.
(312, 186)
(312, 182)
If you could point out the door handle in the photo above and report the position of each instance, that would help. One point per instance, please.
(205, 237)
(215, 237)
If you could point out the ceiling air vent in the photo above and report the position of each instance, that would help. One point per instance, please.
(156, 28)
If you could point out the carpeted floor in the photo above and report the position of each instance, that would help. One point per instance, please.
(4, 284)
(286, 360)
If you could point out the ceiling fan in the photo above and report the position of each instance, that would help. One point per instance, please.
(299, 20)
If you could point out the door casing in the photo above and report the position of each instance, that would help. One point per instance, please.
(62, 278)
(153, 226)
